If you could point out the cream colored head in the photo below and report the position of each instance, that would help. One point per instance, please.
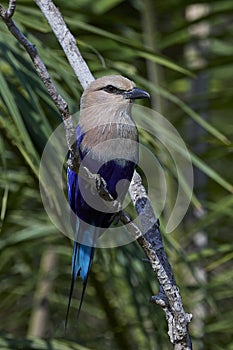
(111, 89)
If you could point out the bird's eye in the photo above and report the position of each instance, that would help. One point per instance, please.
(111, 89)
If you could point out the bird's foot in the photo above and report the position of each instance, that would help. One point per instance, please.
(98, 185)
(101, 186)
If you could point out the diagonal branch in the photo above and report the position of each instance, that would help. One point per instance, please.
(67, 41)
(169, 297)
(41, 69)
(11, 8)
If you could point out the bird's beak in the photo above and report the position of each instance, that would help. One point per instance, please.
(136, 93)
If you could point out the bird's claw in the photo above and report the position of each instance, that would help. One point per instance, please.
(100, 188)
(100, 183)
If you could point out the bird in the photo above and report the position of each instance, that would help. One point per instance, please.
(107, 142)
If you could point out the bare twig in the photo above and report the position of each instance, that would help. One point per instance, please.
(67, 41)
(131, 226)
(169, 297)
(11, 8)
(152, 244)
(40, 67)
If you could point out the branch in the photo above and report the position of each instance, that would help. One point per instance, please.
(40, 67)
(151, 242)
(11, 8)
(67, 41)
(169, 297)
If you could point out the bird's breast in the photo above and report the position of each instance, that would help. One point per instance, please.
(111, 141)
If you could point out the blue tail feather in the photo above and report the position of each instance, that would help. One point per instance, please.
(86, 255)
(81, 263)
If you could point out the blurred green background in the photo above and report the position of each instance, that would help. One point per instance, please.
(181, 52)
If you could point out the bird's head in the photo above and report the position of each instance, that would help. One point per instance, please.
(111, 89)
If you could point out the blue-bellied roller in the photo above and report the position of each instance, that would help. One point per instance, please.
(107, 140)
